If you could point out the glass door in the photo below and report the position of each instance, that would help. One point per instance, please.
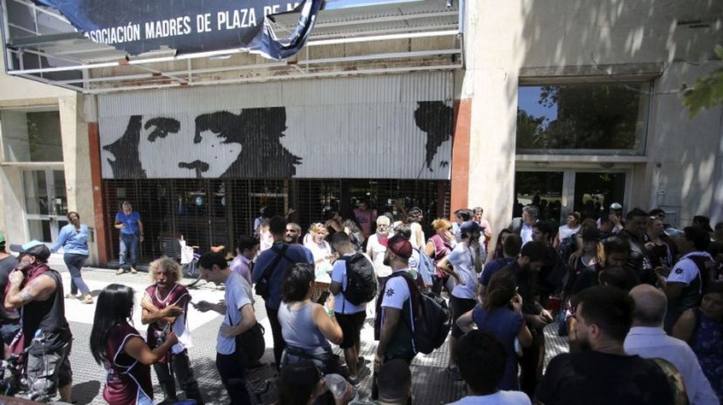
(595, 191)
(541, 189)
(46, 203)
(556, 193)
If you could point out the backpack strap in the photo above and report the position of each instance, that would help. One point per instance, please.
(279, 255)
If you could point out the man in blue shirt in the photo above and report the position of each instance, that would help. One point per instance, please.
(131, 232)
(510, 250)
(270, 268)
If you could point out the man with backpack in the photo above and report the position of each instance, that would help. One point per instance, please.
(268, 275)
(685, 283)
(353, 284)
(396, 329)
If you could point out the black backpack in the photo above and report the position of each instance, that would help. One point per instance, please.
(432, 319)
(361, 281)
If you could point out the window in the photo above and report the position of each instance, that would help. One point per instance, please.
(31, 136)
(595, 117)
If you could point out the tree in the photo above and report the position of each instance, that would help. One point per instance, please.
(707, 91)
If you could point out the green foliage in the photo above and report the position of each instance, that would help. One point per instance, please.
(707, 91)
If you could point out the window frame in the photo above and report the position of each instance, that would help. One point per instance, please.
(648, 85)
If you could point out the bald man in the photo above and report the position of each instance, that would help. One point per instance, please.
(647, 339)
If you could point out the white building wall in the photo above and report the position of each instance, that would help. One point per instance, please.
(17, 95)
(511, 41)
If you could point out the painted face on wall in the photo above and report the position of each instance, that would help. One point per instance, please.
(217, 144)
(177, 145)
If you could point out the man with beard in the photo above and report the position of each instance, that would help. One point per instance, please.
(525, 271)
(601, 373)
(165, 306)
(37, 291)
(634, 233)
(395, 307)
(293, 233)
(270, 270)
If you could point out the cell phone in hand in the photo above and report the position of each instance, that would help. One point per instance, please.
(323, 297)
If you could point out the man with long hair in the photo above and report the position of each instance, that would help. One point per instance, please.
(165, 309)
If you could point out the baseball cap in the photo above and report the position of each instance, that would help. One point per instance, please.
(400, 246)
(616, 206)
(34, 248)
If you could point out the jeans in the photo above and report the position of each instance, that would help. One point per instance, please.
(181, 368)
(279, 343)
(128, 243)
(75, 262)
(531, 363)
(232, 369)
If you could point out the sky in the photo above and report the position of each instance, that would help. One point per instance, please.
(335, 4)
(528, 100)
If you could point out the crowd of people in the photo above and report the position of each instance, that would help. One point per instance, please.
(641, 304)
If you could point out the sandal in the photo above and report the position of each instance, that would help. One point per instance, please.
(88, 299)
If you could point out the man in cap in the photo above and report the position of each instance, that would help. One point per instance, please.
(396, 340)
(9, 320)
(37, 291)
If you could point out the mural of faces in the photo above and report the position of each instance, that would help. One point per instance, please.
(218, 144)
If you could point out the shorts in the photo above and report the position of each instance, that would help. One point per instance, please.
(48, 370)
(458, 307)
(8, 331)
(351, 326)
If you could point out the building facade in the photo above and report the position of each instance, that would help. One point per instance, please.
(571, 105)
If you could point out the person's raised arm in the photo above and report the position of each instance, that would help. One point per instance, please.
(137, 348)
(152, 314)
(39, 287)
(429, 249)
(328, 326)
(465, 322)
(118, 223)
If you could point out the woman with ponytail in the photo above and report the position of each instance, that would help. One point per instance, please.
(467, 262)
(501, 316)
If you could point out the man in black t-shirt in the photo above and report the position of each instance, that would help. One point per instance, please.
(9, 320)
(601, 373)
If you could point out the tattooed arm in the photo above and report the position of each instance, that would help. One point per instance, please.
(38, 289)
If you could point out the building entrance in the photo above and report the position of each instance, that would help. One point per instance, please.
(557, 193)
(46, 203)
(212, 212)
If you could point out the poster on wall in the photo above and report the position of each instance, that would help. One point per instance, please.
(397, 127)
(138, 26)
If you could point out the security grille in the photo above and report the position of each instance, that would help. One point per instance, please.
(212, 212)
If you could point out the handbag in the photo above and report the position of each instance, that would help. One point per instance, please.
(250, 344)
(262, 286)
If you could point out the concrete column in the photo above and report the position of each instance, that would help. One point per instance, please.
(76, 152)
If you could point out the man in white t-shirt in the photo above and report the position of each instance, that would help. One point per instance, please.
(238, 318)
(350, 317)
(377, 247)
(523, 226)
(685, 282)
(481, 359)
(570, 228)
(396, 334)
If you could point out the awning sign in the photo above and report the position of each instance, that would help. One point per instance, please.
(138, 26)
